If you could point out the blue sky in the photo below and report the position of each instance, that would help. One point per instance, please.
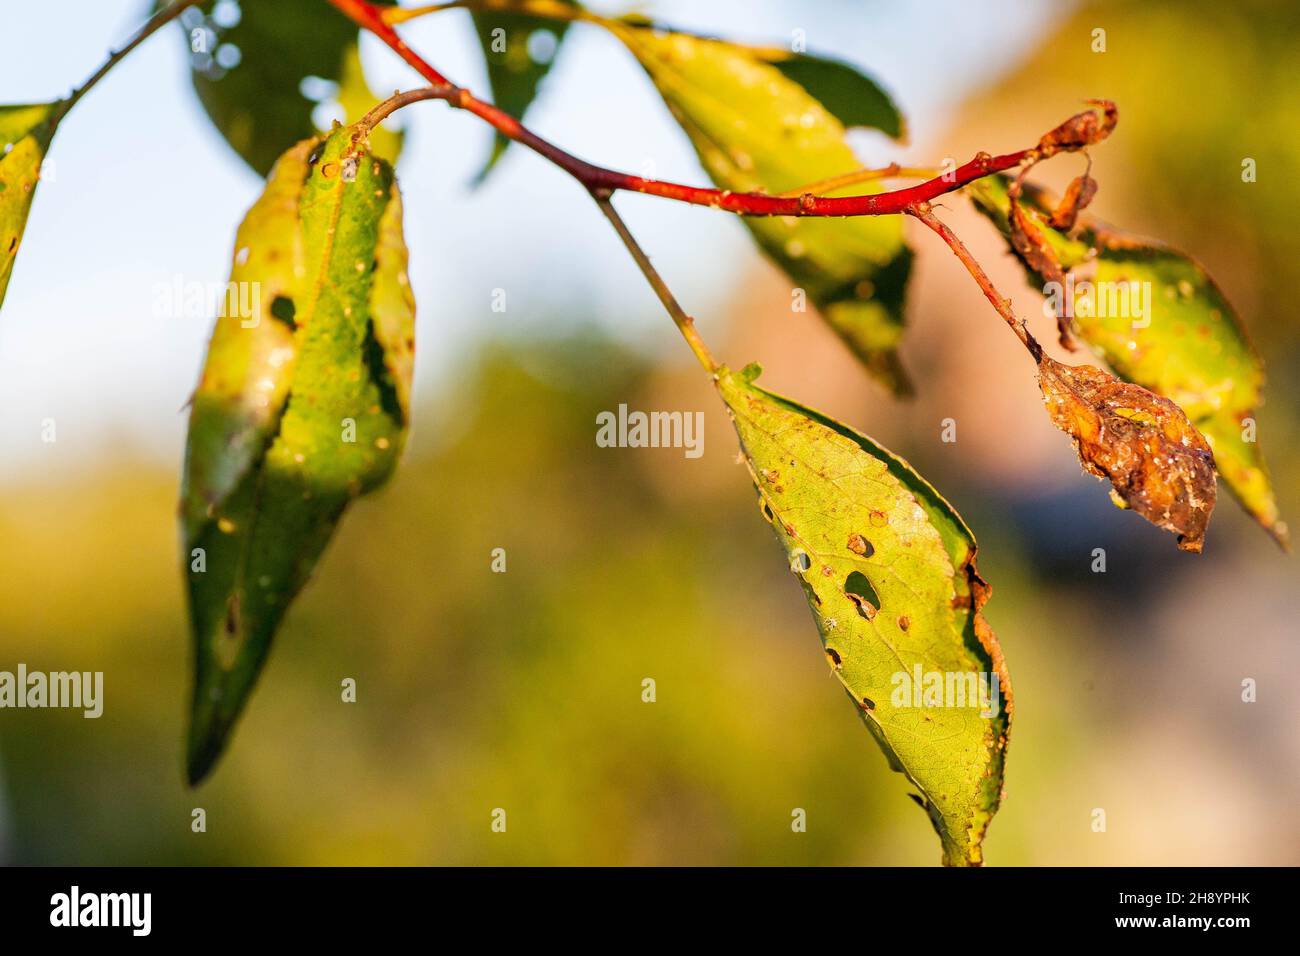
(144, 193)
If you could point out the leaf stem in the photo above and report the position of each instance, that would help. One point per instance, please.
(382, 111)
(150, 27)
(684, 322)
(456, 97)
(923, 213)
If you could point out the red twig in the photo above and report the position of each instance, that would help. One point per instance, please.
(595, 178)
(922, 213)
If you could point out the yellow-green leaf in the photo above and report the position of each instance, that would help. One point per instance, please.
(25, 133)
(302, 407)
(756, 129)
(1158, 320)
(854, 98)
(888, 568)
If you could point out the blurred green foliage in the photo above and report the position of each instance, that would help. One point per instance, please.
(523, 690)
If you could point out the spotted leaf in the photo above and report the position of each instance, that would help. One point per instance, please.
(888, 568)
(302, 407)
(25, 134)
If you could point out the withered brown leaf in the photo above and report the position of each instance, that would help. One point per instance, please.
(1159, 464)
(1077, 196)
(1032, 246)
(1080, 130)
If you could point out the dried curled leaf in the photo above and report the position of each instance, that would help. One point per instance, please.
(1038, 255)
(302, 407)
(1159, 465)
(1080, 130)
(25, 134)
(1159, 320)
(888, 568)
(1078, 195)
(756, 129)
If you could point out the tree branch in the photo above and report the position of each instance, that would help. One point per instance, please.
(593, 177)
(155, 23)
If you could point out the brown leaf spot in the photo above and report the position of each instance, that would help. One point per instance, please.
(1158, 463)
(860, 545)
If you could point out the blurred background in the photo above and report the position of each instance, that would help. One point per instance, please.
(523, 690)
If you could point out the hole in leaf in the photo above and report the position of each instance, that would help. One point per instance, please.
(859, 590)
(800, 562)
(282, 308)
(834, 656)
(373, 355)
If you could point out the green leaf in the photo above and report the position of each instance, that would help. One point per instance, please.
(258, 103)
(302, 407)
(1158, 319)
(25, 134)
(889, 572)
(851, 96)
(756, 129)
(513, 73)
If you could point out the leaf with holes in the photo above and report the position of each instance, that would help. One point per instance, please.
(756, 129)
(1158, 319)
(249, 62)
(302, 407)
(519, 51)
(25, 134)
(888, 568)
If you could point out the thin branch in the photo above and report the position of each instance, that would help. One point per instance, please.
(923, 213)
(679, 316)
(370, 17)
(685, 323)
(150, 27)
(593, 177)
(892, 171)
(383, 110)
